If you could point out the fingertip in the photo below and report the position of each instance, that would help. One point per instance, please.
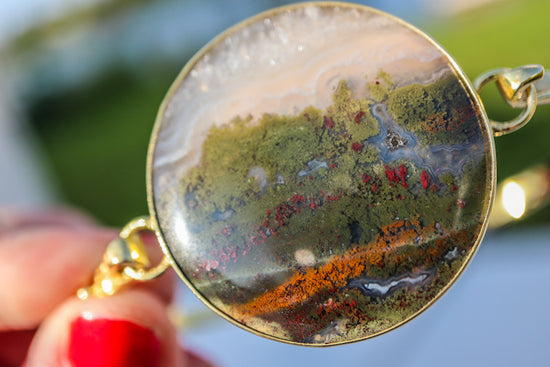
(129, 329)
(97, 341)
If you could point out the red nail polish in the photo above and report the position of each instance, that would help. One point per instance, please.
(110, 343)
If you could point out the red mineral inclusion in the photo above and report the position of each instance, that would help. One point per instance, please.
(397, 175)
(359, 116)
(425, 180)
(357, 147)
(329, 122)
(390, 175)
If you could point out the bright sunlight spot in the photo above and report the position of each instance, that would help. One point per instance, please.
(513, 199)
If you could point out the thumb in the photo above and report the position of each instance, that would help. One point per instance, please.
(127, 329)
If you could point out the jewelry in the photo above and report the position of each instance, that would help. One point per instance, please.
(320, 174)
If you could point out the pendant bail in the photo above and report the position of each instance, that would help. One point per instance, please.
(522, 87)
(125, 260)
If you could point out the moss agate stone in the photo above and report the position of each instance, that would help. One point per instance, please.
(321, 173)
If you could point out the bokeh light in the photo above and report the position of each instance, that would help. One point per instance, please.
(513, 199)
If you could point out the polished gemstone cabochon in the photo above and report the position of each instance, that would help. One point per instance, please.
(321, 173)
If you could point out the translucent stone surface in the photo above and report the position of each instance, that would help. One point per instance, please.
(321, 174)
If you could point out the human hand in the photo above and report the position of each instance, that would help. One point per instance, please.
(45, 256)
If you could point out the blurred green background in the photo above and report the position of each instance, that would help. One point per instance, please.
(95, 131)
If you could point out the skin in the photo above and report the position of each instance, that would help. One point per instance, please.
(46, 256)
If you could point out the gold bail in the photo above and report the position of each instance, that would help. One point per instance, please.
(512, 84)
(129, 251)
(523, 87)
(125, 260)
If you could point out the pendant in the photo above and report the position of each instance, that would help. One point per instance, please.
(319, 174)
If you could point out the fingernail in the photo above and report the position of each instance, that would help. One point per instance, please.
(109, 343)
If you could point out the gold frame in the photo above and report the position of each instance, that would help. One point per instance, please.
(485, 127)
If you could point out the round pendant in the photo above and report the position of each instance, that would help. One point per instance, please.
(321, 173)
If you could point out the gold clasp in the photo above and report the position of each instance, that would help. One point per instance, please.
(124, 261)
(523, 87)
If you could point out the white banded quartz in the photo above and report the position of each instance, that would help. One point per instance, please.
(283, 64)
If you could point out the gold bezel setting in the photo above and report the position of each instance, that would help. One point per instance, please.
(468, 88)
